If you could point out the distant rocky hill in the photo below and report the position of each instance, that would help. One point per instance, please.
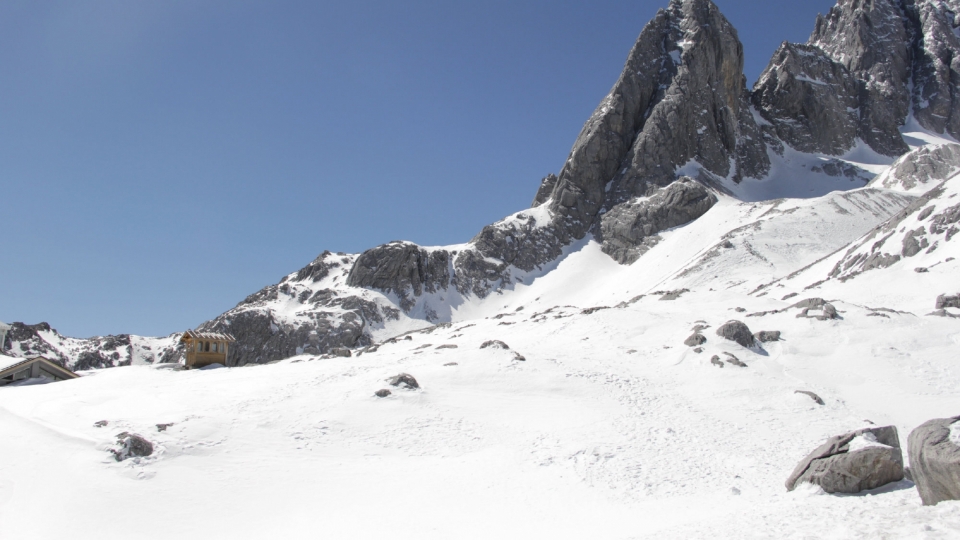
(679, 131)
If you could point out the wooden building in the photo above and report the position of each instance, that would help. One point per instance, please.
(205, 348)
(20, 369)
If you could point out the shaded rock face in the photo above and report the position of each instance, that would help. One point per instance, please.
(935, 461)
(402, 268)
(925, 166)
(630, 229)
(872, 40)
(936, 87)
(681, 97)
(547, 185)
(738, 332)
(811, 100)
(856, 461)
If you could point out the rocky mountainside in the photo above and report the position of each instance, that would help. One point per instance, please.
(678, 134)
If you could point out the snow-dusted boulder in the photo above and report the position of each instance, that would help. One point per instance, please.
(737, 331)
(860, 460)
(131, 445)
(403, 380)
(935, 459)
(765, 336)
(695, 339)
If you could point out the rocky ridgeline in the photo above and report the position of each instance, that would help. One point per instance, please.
(678, 126)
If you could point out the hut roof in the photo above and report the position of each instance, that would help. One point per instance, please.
(9, 363)
(212, 336)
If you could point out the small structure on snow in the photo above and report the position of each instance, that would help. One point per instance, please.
(206, 348)
(14, 370)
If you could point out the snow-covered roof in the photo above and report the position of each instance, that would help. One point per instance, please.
(212, 336)
(4, 326)
(10, 361)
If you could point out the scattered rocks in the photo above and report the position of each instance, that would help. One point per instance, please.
(163, 427)
(382, 393)
(733, 360)
(813, 396)
(766, 336)
(789, 296)
(495, 344)
(860, 460)
(447, 346)
(100, 423)
(131, 445)
(695, 339)
(591, 311)
(935, 460)
(816, 308)
(738, 332)
(404, 380)
(673, 295)
(716, 361)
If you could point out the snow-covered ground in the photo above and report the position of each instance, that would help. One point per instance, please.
(611, 427)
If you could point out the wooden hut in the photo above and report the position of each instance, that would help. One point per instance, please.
(19, 369)
(205, 348)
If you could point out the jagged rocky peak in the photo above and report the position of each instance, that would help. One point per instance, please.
(872, 39)
(681, 97)
(936, 83)
(810, 100)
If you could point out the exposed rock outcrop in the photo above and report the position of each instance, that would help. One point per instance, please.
(860, 460)
(921, 169)
(131, 445)
(630, 228)
(738, 332)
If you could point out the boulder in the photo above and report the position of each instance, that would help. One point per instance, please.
(733, 360)
(404, 379)
(813, 396)
(945, 301)
(131, 445)
(766, 336)
(935, 460)
(736, 331)
(340, 351)
(495, 344)
(383, 392)
(695, 339)
(716, 361)
(860, 460)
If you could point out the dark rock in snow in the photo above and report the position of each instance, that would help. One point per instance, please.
(813, 396)
(404, 379)
(447, 346)
(766, 336)
(948, 301)
(451, 364)
(695, 339)
(697, 350)
(163, 427)
(630, 229)
(715, 360)
(738, 332)
(131, 445)
(838, 468)
(495, 344)
(935, 461)
(382, 393)
(100, 423)
(519, 357)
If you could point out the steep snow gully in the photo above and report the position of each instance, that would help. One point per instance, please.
(573, 370)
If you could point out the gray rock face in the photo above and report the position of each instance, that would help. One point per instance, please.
(935, 461)
(810, 99)
(695, 339)
(630, 229)
(872, 40)
(926, 165)
(402, 268)
(936, 87)
(738, 332)
(131, 445)
(681, 97)
(547, 185)
(838, 468)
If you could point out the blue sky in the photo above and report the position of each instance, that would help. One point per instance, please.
(159, 161)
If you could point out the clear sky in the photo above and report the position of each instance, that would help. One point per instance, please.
(159, 161)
